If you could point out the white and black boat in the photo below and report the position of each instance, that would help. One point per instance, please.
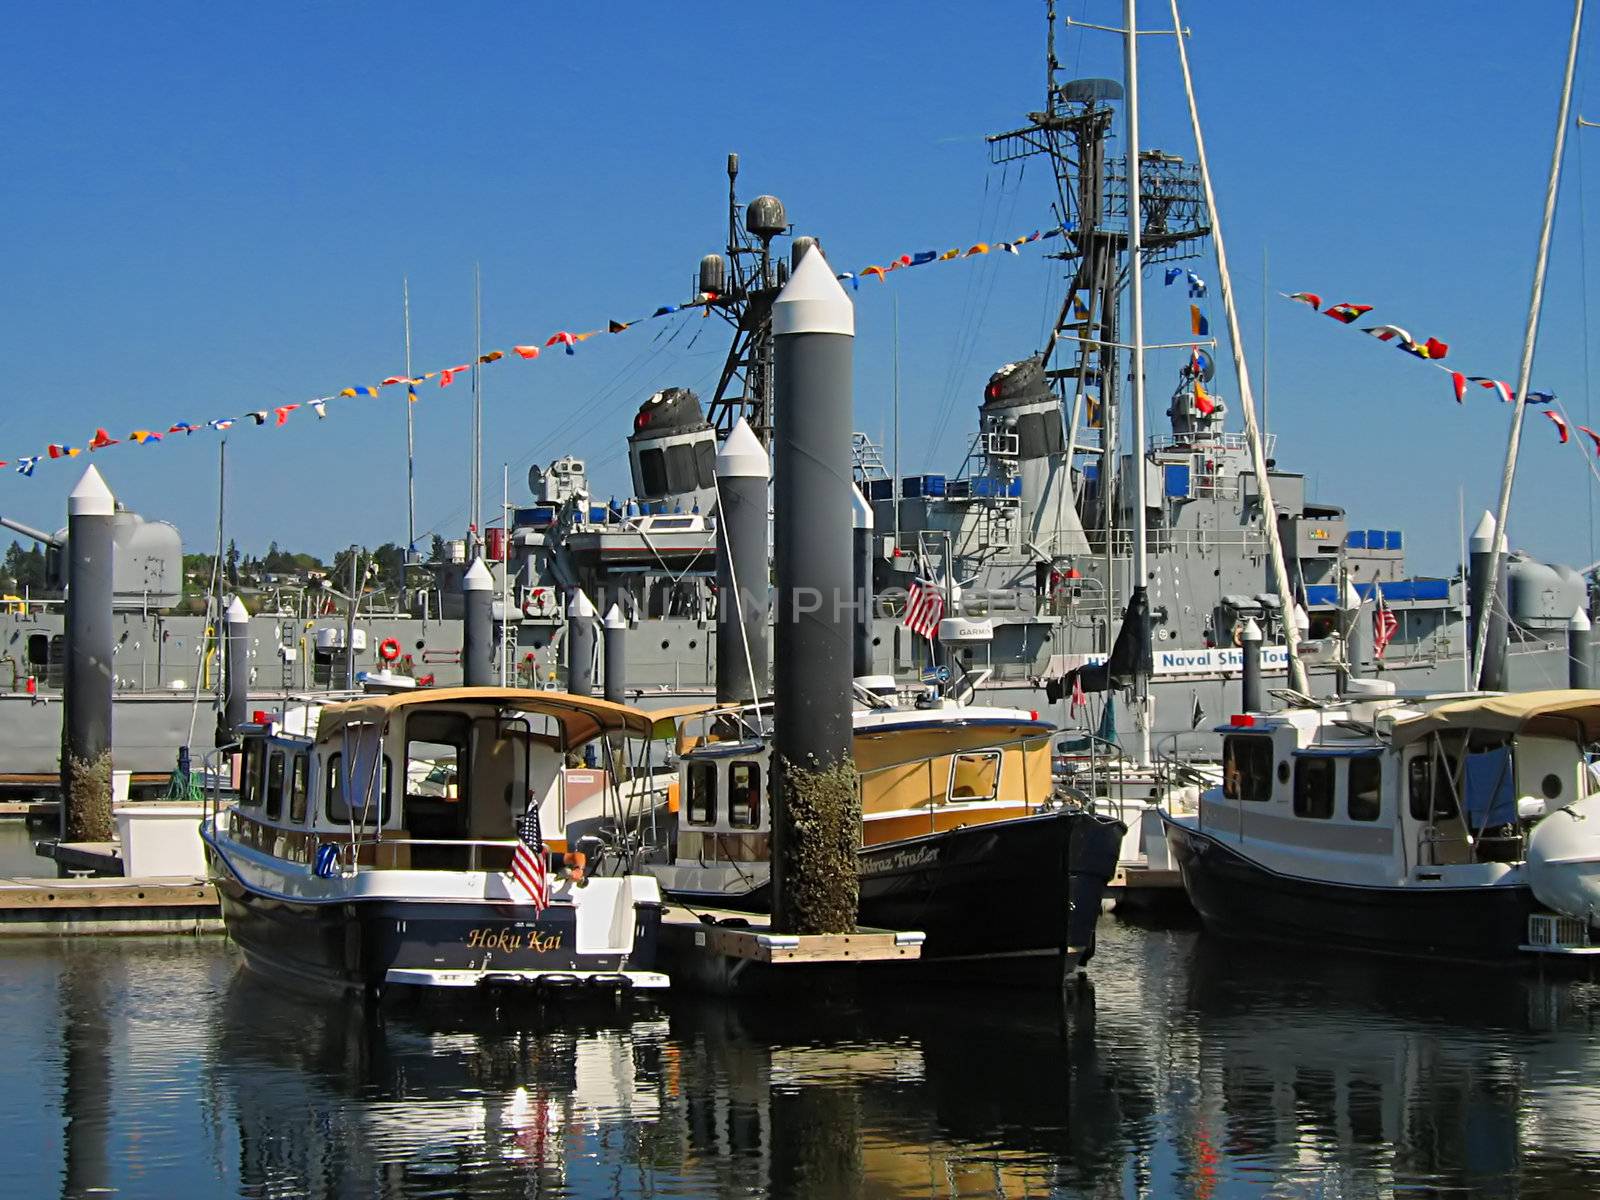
(377, 852)
(963, 836)
(1453, 826)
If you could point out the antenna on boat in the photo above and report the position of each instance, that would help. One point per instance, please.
(1141, 547)
(1530, 336)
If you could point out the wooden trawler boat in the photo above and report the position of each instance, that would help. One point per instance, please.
(1458, 826)
(399, 844)
(962, 836)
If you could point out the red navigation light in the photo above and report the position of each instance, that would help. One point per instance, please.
(260, 717)
(1241, 719)
(1033, 714)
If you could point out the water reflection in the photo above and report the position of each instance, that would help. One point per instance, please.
(1189, 1068)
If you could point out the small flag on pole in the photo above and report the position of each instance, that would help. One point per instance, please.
(528, 867)
(924, 607)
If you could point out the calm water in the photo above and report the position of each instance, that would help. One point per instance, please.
(152, 1067)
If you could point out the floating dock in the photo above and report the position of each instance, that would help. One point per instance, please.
(67, 907)
(719, 951)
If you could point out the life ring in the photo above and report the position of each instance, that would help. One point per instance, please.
(389, 649)
(1238, 633)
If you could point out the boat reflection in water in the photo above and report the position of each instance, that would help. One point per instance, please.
(1190, 1068)
(155, 1067)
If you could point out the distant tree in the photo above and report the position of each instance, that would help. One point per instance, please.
(232, 560)
(391, 560)
(437, 550)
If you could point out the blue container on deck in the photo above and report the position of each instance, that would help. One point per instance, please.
(923, 485)
(1392, 539)
(1356, 539)
(1375, 539)
(880, 489)
(539, 516)
(1014, 488)
(958, 489)
(597, 514)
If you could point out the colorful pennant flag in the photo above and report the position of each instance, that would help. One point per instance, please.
(1202, 400)
(448, 375)
(527, 351)
(1561, 426)
(1460, 382)
(102, 439)
(1386, 333)
(492, 356)
(282, 413)
(1593, 437)
(1311, 298)
(144, 435)
(183, 427)
(1346, 312)
(1198, 324)
(26, 465)
(320, 407)
(1197, 286)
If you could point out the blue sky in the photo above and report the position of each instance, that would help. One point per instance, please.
(209, 209)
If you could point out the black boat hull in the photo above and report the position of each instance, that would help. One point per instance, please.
(353, 946)
(1240, 899)
(1027, 887)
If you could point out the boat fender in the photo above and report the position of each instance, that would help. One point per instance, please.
(389, 649)
(326, 861)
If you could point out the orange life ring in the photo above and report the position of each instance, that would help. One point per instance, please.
(388, 649)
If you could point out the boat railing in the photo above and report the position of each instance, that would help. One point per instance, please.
(1162, 540)
(1098, 775)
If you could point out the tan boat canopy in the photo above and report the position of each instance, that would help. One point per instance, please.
(1558, 713)
(579, 718)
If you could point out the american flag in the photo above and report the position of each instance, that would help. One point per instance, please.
(528, 867)
(1384, 623)
(924, 607)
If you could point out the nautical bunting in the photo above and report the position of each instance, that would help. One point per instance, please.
(704, 301)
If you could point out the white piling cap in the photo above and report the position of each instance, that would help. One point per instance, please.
(742, 456)
(1578, 622)
(614, 618)
(860, 510)
(477, 578)
(1483, 536)
(1251, 631)
(91, 498)
(238, 614)
(581, 606)
(812, 301)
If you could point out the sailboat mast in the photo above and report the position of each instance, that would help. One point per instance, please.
(1529, 337)
(411, 444)
(477, 406)
(1141, 565)
(1258, 454)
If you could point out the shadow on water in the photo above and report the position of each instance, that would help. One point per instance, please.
(1188, 1067)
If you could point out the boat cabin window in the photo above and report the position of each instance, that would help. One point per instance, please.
(974, 776)
(297, 790)
(1313, 787)
(1247, 767)
(438, 746)
(274, 799)
(702, 793)
(1363, 788)
(1428, 782)
(250, 774)
(356, 809)
(744, 794)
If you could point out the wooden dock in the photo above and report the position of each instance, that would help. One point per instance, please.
(68, 907)
(720, 951)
